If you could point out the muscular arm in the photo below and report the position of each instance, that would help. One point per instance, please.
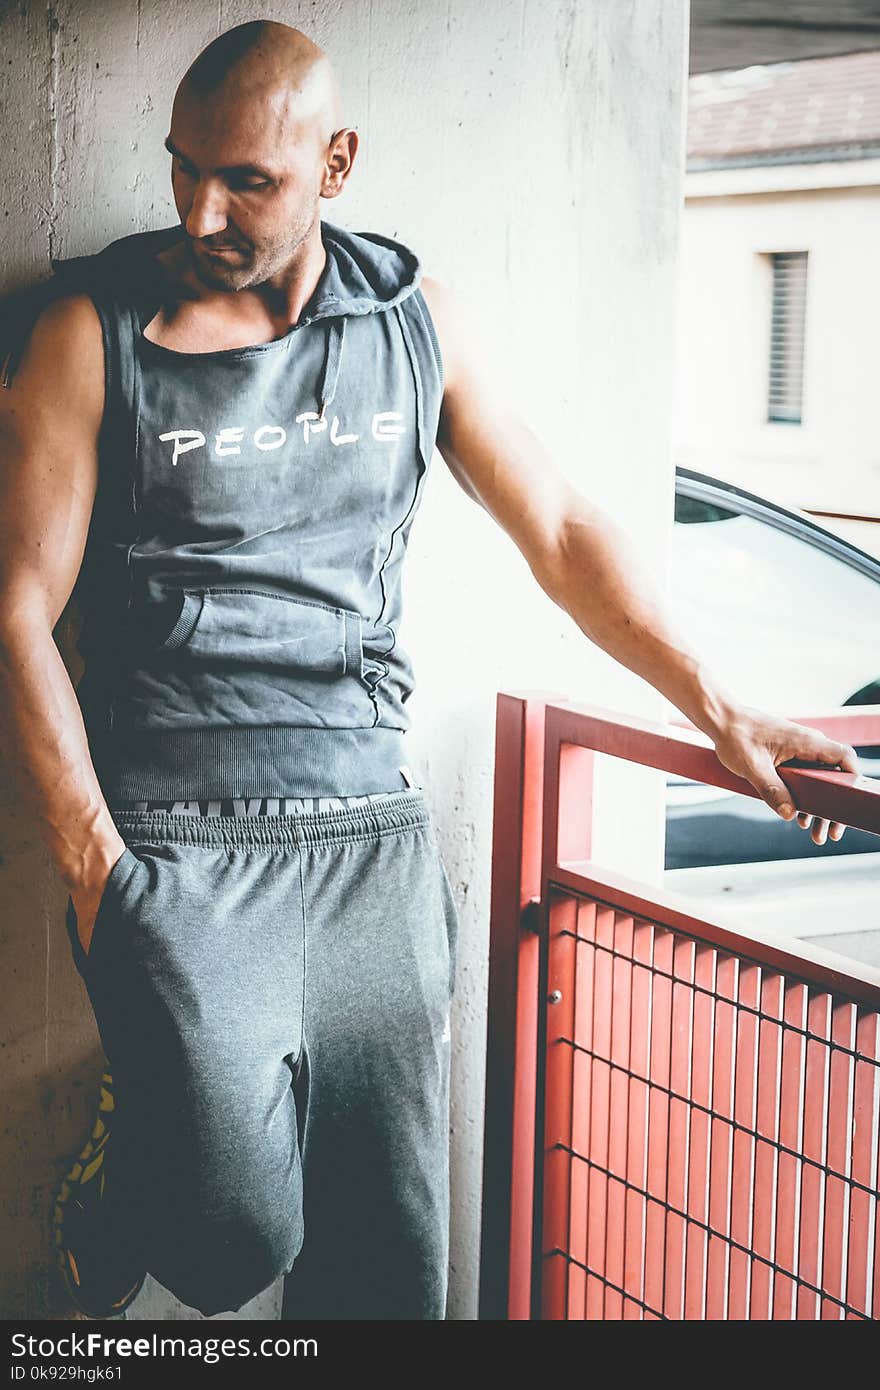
(590, 567)
(49, 421)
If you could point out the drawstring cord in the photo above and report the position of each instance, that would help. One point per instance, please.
(332, 363)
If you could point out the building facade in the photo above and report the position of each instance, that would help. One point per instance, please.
(780, 287)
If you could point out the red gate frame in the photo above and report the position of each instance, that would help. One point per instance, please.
(542, 828)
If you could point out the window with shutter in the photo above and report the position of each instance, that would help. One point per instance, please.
(787, 327)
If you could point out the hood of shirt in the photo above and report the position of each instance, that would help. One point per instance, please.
(364, 273)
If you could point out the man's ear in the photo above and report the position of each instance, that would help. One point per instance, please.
(339, 161)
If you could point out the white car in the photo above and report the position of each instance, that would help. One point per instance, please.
(788, 614)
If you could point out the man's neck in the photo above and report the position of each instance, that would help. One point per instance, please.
(286, 294)
(281, 298)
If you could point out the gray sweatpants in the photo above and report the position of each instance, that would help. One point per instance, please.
(273, 994)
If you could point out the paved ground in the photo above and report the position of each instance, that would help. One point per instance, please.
(832, 903)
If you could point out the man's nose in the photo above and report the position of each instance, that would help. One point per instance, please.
(207, 213)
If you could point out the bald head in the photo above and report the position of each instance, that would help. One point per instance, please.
(267, 61)
(257, 140)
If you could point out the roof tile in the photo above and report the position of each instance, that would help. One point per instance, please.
(823, 104)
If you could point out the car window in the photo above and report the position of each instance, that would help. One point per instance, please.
(784, 624)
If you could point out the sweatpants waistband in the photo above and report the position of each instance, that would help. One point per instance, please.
(383, 814)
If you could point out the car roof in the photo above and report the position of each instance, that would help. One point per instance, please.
(703, 487)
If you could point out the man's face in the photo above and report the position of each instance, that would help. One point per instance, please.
(247, 177)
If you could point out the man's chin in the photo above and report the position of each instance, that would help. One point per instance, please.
(233, 270)
(218, 277)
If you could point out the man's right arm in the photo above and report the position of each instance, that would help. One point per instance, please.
(50, 417)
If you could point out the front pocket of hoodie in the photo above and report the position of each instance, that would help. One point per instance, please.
(245, 657)
(234, 628)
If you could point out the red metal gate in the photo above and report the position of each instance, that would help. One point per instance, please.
(682, 1121)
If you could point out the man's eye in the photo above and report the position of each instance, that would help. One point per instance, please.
(234, 183)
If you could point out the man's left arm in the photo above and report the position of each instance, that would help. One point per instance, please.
(590, 567)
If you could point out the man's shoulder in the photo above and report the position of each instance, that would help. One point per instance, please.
(442, 316)
(52, 330)
(436, 292)
(63, 347)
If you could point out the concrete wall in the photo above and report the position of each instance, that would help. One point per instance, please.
(532, 153)
(832, 460)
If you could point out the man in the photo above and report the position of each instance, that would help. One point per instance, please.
(220, 432)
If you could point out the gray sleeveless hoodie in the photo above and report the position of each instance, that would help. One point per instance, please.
(240, 591)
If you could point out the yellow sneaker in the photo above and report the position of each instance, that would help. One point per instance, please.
(100, 1274)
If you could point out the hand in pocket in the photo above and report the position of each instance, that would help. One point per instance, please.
(87, 900)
